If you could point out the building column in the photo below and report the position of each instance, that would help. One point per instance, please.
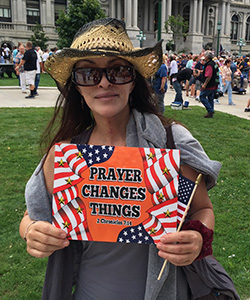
(207, 21)
(119, 9)
(243, 34)
(163, 14)
(128, 9)
(113, 9)
(176, 8)
(135, 14)
(50, 12)
(43, 18)
(223, 17)
(145, 16)
(18, 10)
(191, 17)
(169, 9)
(204, 14)
(228, 20)
(199, 23)
(151, 16)
(194, 16)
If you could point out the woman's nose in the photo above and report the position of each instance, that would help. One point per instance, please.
(104, 81)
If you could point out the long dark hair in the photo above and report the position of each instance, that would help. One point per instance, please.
(72, 116)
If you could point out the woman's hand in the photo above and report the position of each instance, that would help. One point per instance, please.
(180, 248)
(43, 239)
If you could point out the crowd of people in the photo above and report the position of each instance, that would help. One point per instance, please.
(204, 77)
(28, 63)
(183, 71)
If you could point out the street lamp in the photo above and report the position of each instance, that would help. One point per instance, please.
(241, 44)
(218, 36)
(141, 37)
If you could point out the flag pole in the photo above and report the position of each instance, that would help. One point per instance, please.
(197, 182)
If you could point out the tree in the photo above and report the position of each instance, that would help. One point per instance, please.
(178, 26)
(39, 37)
(79, 12)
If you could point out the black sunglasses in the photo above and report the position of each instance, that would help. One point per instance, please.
(93, 76)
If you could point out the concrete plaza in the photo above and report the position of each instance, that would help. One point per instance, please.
(13, 97)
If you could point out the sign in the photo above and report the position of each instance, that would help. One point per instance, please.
(115, 194)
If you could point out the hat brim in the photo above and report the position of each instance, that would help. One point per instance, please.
(146, 61)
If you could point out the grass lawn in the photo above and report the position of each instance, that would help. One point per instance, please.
(225, 138)
(45, 80)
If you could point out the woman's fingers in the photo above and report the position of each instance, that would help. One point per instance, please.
(180, 248)
(43, 239)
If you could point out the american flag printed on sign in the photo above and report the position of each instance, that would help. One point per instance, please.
(161, 168)
(166, 214)
(70, 162)
(135, 234)
(169, 191)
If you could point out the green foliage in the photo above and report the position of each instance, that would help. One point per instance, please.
(78, 13)
(39, 37)
(177, 25)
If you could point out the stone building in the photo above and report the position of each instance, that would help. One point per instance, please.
(17, 17)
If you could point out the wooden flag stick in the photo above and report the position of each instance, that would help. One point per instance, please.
(197, 182)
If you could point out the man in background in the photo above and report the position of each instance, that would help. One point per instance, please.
(20, 71)
(29, 62)
(210, 84)
(160, 85)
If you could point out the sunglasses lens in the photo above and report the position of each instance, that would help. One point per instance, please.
(120, 75)
(87, 76)
(115, 75)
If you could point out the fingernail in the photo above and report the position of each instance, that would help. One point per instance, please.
(63, 235)
(66, 243)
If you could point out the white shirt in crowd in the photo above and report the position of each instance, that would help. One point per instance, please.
(38, 61)
(173, 67)
(45, 56)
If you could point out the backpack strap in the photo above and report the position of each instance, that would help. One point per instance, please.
(170, 139)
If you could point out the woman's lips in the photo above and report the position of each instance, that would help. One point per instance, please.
(106, 96)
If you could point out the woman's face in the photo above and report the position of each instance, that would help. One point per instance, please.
(106, 99)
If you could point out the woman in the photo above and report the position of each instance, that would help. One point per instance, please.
(226, 80)
(101, 107)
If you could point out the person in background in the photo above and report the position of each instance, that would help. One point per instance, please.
(160, 84)
(183, 75)
(44, 57)
(210, 84)
(198, 80)
(227, 80)
(29, 62)
(7, 53)
(2, 61)
(189, 66)
(38, 71)
(173, 68)
(247, 109)
(183, 62)
(39, 51)
(20, 71)
(192, 79)
(14, 53)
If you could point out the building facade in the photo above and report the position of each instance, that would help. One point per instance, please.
(17, 17)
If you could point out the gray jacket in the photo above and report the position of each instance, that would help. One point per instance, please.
(143, 130)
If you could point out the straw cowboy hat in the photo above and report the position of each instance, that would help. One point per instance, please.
(103, 37)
